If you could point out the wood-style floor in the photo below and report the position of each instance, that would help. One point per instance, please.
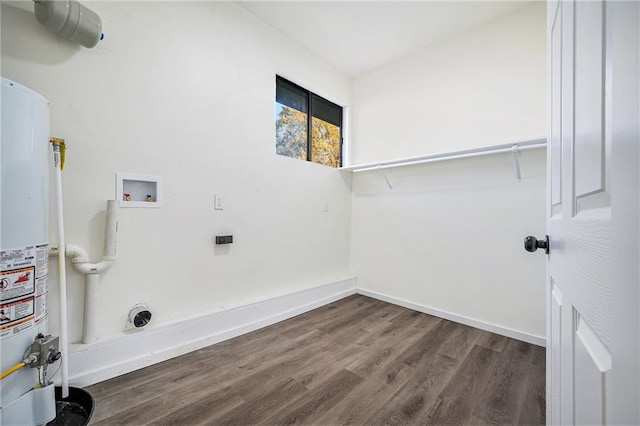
(355, 361)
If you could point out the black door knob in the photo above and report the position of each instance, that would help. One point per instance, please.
(532, 244)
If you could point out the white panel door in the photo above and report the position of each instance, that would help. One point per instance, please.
(592, 221)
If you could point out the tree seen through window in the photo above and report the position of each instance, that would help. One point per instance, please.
(323, 145)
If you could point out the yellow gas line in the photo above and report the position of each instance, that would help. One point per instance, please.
(12, 370)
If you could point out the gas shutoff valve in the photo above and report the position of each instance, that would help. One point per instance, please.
(44, 350)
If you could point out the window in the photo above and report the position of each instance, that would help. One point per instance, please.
(297, 111)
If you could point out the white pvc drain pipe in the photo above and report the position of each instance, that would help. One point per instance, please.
(91, 271)
(62, 269)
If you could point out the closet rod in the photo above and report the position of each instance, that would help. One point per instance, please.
(469, 153)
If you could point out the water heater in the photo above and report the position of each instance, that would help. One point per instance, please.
(25, 397)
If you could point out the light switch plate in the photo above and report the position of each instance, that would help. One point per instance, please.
(218, 202)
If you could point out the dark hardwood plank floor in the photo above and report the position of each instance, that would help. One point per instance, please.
(355, 361)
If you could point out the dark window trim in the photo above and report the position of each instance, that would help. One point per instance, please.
(310, 95)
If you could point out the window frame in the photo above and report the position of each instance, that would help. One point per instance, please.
(309, 99)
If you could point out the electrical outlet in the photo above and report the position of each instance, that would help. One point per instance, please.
(218, 202)
(224, 239)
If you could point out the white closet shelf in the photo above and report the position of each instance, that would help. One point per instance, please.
(514, 147)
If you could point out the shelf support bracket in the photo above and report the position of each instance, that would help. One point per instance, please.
(516, 157)
(384, 174)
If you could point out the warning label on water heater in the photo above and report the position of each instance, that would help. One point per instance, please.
(16, 258)
(16, 283)
(16, 316)
(23, 288)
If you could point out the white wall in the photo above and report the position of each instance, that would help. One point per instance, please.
(448, 236)
(184, 90)
(482, 87)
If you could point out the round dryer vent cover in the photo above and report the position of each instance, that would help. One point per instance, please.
(140, 315)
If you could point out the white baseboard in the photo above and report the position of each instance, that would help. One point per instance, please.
(105, 359)
(119, 355)
(514, 334)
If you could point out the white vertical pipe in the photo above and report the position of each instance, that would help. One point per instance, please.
(91, 282)
(91, 271)
(110, 231)
(62, 273)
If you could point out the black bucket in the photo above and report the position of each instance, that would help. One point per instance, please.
(76, 410)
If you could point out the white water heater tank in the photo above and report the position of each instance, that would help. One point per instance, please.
(24, 239)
